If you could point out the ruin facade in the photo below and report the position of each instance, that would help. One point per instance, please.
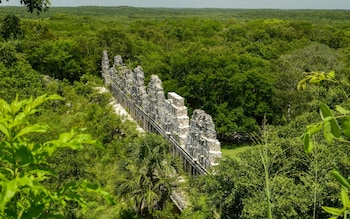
(196, 136)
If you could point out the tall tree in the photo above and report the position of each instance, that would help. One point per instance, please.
(148, 175)
(10, 27)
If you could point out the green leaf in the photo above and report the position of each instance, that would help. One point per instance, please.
(346, 126)
(6, 174)
(6, 158)
(66, 137)
(315, 79)
(344, 197)
(25, 155)
(8, 191)
(20, 119)
(84, 139)
(73, 140)
(33, 128)
(34, 211)
(38, 101)
(4, 130)
(4, 106)
(325, 111)
(342, 110)
(54, 97)
(43, 98)
(327, 131)
(340, 178)
(302, 84)
(17, 105)
(31, 105)
(314, 128)
(40, 172)
(25, 181)
(308, 144)
(333, 211)
(72, 195)
(327, 114)
(331, 74)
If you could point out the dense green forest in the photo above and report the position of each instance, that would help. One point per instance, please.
(240, 66)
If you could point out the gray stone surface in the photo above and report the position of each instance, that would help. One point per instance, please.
(105, 68)
(202, 143)
(156, 99)
(118, 61)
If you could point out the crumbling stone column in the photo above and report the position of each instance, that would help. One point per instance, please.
(177, 112)
(105, 68)
(118, 61)
(139, 93)
(156, 99)
(202, 143)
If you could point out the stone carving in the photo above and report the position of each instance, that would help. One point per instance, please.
(197, 137)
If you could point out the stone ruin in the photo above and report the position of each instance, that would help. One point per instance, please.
(201, 142)
(197, 136)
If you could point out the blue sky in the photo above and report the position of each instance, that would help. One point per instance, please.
(280, 4)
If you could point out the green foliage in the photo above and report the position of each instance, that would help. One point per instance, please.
(57, 59)
(11, 28)
(25, 169)
(8, 54)
(147, 175)
(315, 78)
(238, 69)
(20, 78)
(332, 130)
(221, 190)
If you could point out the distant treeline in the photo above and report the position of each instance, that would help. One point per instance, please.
(314, 16)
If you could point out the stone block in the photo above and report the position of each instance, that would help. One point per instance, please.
(182, 121)
(178, 101)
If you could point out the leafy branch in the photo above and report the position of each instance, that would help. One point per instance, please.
(334, 128)
(24, 165)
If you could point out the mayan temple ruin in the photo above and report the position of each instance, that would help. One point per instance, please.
(168, 113)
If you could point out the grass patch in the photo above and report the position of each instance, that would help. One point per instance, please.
(233, 152)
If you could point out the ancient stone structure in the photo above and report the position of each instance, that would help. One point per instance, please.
(196, 138)
(202, 143)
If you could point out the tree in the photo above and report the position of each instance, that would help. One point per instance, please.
(148, 174)
(10, 27)
(59, 59)
(7, 54)
(221, 189)
(24, 168)
(35, 5)
(289, 68)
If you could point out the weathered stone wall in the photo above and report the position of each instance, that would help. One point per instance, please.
(197, 137)
(201, 142)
